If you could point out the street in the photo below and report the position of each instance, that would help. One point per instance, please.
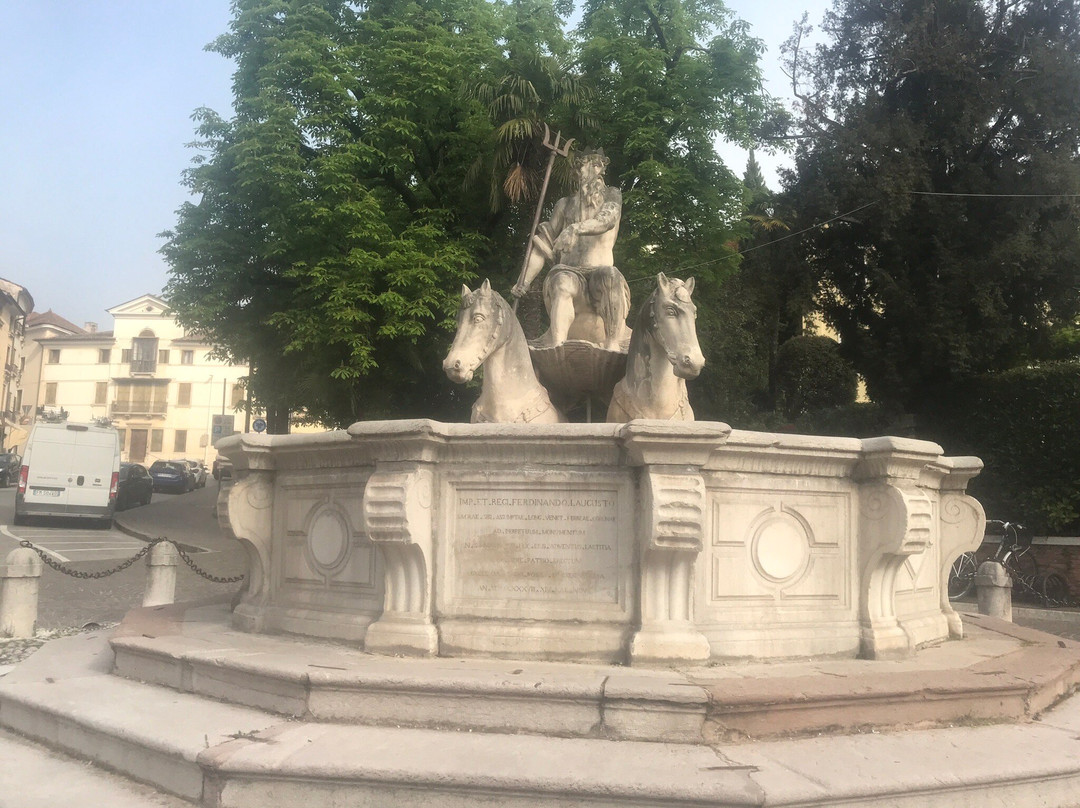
(67, 601)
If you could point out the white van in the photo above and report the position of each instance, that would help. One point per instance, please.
(69, 470)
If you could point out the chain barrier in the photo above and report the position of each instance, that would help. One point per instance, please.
(200, 571)
(49, 561)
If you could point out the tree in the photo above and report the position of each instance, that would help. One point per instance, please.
(331, 231)
(670, 78)
(940, 148)
(337, 211)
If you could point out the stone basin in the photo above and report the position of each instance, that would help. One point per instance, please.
(646, 543)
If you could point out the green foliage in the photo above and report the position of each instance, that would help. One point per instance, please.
(337, 212)
(811, 374)
(328, 243)
(934, 134)
(670, 78)
(1065, 342)
(1023, 425)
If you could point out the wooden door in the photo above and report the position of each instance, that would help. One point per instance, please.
(137, 453)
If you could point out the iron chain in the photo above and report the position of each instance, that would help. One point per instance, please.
(49, 561)
(59, 567)
(203, 573)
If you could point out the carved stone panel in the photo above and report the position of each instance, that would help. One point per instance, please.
(547, 548)
(779, 548)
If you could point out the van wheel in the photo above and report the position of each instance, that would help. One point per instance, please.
(18, 519)
(106, 524)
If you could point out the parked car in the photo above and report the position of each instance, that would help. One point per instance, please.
(136, 486)
(199, 471)
(9, 468)
(222, 468)
(172, 475)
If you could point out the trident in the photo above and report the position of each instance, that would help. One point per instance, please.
(556, 150)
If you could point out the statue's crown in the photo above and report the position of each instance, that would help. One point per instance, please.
(591, 154)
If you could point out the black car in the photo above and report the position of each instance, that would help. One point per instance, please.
(9, 468)
(172, 475)
(136, 486)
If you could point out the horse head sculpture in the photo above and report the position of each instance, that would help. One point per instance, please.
(489, 334)
(664, 353)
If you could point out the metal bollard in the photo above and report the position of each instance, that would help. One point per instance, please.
(21, 575)
(161, 575)
(993, 588)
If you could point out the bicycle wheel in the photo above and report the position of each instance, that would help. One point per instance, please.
(1054, 589)
(962, 576)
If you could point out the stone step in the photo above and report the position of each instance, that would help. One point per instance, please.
(33, 776)
(64, 697)
(194, 651)
(223, 756)
(1004, 673)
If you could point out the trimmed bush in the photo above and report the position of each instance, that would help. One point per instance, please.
(1025, 425)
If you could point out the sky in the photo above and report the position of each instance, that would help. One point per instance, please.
(97, 98)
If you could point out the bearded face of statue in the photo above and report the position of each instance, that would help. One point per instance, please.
(591, 179)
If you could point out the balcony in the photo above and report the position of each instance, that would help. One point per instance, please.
(136, 408)
(143, 365)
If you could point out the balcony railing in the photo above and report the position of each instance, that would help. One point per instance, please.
(138, 408)
(143, 365)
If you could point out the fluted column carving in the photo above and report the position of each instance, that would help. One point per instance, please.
(671, 530)
(896, 520)
(245, 512)
(398, 519)
(963, 523)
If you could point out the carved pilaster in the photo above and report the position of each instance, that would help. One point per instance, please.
(896, 520)
(963, 523)
(245, 512)
(398, 520)
(671, 529)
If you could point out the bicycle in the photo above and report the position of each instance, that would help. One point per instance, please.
(1015, 555)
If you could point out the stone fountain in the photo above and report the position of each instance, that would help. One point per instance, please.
(525, 612)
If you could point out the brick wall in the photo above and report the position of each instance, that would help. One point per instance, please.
(1062, 559)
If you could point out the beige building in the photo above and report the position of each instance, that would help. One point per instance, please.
(155, 382)
(15, 305)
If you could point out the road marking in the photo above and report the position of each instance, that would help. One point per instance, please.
(10, 535)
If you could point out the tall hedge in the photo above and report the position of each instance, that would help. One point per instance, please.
(811, 374)
(1025, 425)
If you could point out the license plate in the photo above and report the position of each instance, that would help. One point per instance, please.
(45, 492)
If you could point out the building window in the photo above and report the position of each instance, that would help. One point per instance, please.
(237, 395)
(101, 392)
(125, 356)
(140, 397)
(183, 395)
(54, 356)
(104, 356)
(163, 357)
(157, 437)
(180, 441)
(187, 357)
(50, 393)
(144, 352)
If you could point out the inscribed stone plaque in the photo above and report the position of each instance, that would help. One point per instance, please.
(528, 544)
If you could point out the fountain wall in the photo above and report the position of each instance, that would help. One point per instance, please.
(652, 542)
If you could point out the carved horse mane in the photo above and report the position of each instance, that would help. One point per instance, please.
(664, 353)
(489, 334)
